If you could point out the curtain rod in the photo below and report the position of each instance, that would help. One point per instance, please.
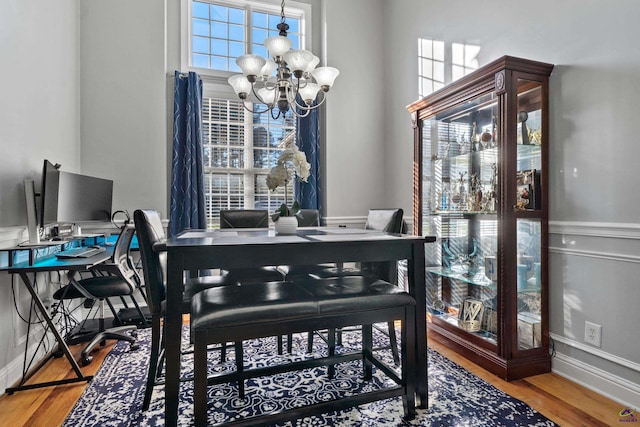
(182, 75)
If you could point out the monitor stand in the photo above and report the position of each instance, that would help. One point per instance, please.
(32, 217)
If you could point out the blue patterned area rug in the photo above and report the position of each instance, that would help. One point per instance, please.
(456, 397)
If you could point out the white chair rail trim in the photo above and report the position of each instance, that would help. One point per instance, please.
(596, 229)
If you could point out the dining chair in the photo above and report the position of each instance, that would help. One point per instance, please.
(308, 218)
(244, 218)
(151, 240)
(387, 220)
(248, 218)
(252, 218)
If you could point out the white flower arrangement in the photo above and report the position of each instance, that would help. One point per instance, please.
(292, 161)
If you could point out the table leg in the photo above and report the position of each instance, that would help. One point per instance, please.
(417, 289)
(173, 331)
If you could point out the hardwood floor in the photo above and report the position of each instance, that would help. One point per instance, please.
(560, 400)
(49, 406)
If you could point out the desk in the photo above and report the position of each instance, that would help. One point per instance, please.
(228, 249)
(51, 263)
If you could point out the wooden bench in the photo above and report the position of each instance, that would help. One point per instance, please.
(237, 313)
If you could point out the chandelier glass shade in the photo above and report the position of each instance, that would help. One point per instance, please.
(289, 81)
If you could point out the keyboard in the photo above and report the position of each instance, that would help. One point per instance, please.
(83, 252)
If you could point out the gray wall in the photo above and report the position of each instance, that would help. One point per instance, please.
(39, 118)
(124, 99)
(39, 112)
(96, 71)
(355, 170)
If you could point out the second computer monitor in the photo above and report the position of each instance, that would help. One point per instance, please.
(69, 197)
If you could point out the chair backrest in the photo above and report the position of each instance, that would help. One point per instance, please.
(154, 262)
(308, 218)
(389, 220)
(121, 257)
(244, 218)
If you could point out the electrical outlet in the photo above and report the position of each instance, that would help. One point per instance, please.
(592, 334)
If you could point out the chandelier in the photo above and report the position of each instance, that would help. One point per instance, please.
(292, 87)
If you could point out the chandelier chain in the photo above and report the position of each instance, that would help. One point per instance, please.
(282, 17)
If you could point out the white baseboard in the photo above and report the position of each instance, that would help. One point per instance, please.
(12, 372)
(616, 388)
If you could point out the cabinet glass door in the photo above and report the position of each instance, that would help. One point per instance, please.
(460, 155)
(528, 210)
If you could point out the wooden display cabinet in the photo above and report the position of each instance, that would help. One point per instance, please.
(480, 185)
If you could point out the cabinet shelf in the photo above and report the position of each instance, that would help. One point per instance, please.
(480, 184)
(477, 279)
(467, 214)
(452, 322)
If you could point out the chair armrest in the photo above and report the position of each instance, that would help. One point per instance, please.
(160, 247)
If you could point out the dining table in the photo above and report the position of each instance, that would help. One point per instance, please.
(192, 251)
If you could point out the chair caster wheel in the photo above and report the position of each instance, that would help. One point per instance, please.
(86, 360)
(58, 353)
(134, 347)
(134, 334)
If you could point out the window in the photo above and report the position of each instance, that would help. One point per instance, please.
(239, 150)
(220, 31)
(440, 63)
(464, 59)
(430, 66)
(219, 36)
(239, 147)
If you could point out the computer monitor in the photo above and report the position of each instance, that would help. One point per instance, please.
(70, 197)
(47, 169)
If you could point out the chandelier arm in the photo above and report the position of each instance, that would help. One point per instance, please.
(293, 89)
(256, 111)
(311, 107)
(297, 114)
(253, 90)
(301, 86)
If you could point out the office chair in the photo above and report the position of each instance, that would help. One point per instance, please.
(151, 240)
(115, 280)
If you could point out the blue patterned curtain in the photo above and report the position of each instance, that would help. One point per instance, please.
(309, 193)
(187, 177)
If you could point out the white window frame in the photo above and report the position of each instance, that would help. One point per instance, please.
(213, 90)
(249, 172)
(451, 70)
(293, 9)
